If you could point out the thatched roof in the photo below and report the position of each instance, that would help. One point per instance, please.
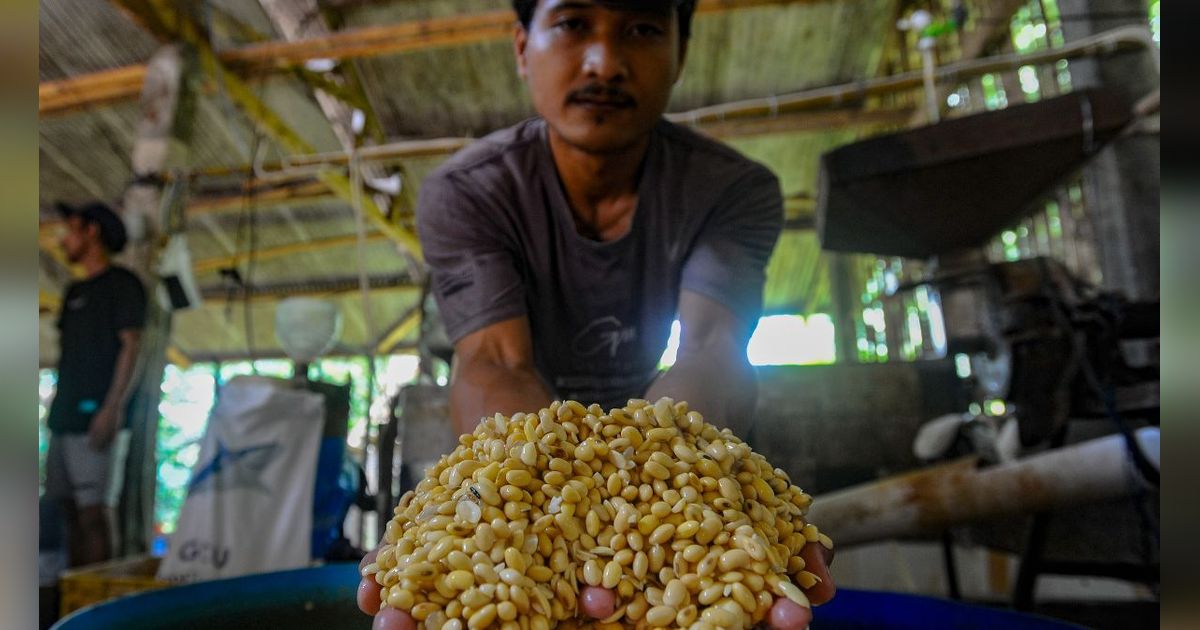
(439, 86)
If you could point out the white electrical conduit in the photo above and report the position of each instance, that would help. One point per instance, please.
(929, 500)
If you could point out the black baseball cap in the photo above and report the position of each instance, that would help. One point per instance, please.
(112, 228)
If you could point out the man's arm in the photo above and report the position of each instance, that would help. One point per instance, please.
(105, 423)
(494, 372)
(711, 371)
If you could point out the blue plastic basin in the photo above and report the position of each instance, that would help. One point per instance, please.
(323, 597)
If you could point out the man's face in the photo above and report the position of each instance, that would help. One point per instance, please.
(600, 76)
(77, 237)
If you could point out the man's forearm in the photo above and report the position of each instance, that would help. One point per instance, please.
(724, 392)
(118, 390)
(482, 389)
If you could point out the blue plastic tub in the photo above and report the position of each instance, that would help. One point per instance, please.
(323, 597)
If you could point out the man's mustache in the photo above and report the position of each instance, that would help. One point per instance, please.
(601, 92)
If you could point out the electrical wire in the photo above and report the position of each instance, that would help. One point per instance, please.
(248, 284)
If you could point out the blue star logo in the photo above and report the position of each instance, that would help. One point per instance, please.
(230, 469)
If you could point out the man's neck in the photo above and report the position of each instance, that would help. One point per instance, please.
(94, 263)
(601, 187)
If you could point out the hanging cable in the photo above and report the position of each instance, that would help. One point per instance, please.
(247, 241)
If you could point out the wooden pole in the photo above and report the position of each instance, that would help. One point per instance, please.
(164, 133)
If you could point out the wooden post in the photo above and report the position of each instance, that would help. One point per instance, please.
(164, 133)
(1121, 185)
(847, 307)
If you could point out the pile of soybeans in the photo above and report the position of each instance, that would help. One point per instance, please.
(688, 525)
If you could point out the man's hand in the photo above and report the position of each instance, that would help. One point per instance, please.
(104, 426)
(598, 603)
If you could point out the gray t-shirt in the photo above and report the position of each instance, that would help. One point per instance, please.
(500, 242)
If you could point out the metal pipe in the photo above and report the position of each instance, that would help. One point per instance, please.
(929, 500)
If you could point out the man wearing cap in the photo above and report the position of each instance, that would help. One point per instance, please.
(100, 327)
(562, 248)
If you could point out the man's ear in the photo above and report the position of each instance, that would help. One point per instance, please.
(520, 39)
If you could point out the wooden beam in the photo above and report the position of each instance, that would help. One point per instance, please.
(288, 139)
(178, 358)
(390, 39)
(818, 120)
(320, 288)
(400, 330)
(306, 192)
(765, 123)
(1116, 40)
(282, 195)
(303, 247)
(799, 212)
(48, 302)
(90, 90)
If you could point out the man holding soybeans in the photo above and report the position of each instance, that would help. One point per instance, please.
(562, 248)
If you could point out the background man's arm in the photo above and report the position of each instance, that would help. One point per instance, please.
(494, 372)
(107, 420)
(711, 371)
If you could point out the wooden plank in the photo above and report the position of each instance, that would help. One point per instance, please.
(74, 93)
(320, 288)
(48, 302)
(1110, 42)
(282, 195)
(90, 90)
(288, 139)
(819, 120)
(279, 251)
(408, 322)
(178, 358)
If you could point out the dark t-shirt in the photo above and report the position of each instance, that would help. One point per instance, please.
(94, 311)
(501, 242)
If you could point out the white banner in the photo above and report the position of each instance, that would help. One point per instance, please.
(250, 500)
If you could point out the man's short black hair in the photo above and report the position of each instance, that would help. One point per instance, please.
(683, 9)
